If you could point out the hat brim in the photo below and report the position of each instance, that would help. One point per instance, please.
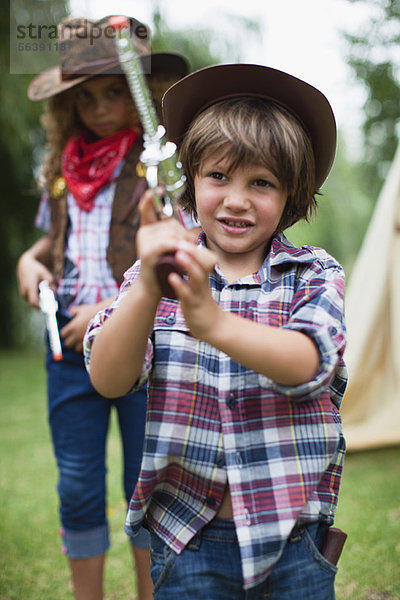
(50, 83)
(199, 90)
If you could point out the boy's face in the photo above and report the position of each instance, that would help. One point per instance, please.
(104, 105)
(239, 211)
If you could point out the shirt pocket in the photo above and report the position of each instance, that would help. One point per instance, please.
(179, 358)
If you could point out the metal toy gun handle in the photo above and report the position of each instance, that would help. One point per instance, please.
(49, 306)
(159, 156)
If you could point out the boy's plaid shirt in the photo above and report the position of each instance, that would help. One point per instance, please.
(211, 421)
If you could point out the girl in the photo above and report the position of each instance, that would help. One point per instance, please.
(89, 212)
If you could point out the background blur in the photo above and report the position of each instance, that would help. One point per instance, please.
(350, 50)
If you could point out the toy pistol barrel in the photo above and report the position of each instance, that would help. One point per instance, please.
(49, 306)
(159, 156)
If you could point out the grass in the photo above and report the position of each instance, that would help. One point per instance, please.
(32, 566)
(369, 511)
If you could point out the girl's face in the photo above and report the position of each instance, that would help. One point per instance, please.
(239, 212)
(104, 105)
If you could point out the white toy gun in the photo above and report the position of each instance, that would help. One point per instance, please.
(49, 306)
(159, 156)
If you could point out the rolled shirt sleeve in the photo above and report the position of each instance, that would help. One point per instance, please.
(318, 312)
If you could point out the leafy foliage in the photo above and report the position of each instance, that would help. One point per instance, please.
(203, 46)
(21, 146)
(22, 141)
(343, 213)
(373, 55)
(348, 195)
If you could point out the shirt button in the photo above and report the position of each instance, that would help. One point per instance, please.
(231, 400)
(333, 330)
(239, 460)
(170, 319)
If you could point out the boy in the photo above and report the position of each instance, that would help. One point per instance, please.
(244, 450)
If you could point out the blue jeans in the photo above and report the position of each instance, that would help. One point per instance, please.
(209, 568)
(79, 420)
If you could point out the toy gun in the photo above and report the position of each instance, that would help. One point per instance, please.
(159, 156)
(49, 306)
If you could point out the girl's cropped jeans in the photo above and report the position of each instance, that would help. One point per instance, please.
(79, 420)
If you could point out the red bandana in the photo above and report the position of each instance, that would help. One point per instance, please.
(88, 167)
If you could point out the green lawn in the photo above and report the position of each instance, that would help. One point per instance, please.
(33, 568)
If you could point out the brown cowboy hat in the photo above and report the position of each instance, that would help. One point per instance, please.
(199, 90)
(87, 48)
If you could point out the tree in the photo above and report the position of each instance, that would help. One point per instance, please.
(342, 208)
(22, 140)
(20, 132)
(372, 55)
(21, 146)
(203, 46)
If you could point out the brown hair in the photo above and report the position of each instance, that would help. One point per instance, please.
(254, 131)
(60, 122)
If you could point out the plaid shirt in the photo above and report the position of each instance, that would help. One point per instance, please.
(87, 277)
(211, 421)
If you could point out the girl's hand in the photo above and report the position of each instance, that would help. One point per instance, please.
(200, 309)
(30, 272)
(73, 332)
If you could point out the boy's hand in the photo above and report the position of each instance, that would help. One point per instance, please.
(200, 309)
(155, 238)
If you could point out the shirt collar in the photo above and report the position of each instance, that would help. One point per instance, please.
(282, 252)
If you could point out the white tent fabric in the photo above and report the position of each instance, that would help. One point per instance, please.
(371, 405)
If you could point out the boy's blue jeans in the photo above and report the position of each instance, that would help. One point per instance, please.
(209, 568)
(79, 420)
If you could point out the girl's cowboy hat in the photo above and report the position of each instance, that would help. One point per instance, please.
(195, 92)
(87, 48)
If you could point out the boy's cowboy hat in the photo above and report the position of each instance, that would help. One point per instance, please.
(195, 92)
(87, 48)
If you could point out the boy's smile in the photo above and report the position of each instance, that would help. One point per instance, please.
(239, 211)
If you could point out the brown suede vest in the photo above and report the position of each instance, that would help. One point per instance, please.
(121, 251)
